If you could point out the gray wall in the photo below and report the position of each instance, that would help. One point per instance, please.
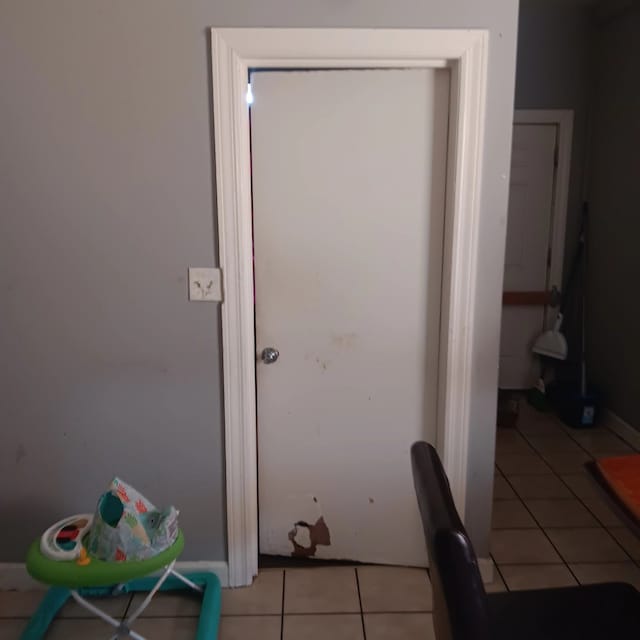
(107, 198)
(554, 72)
(614, 190)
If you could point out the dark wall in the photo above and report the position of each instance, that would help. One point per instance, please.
(613, 306)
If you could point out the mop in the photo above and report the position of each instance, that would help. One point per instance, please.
(578, 406)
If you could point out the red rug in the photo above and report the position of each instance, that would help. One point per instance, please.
(622, 474)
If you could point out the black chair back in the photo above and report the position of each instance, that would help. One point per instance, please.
(460, 610)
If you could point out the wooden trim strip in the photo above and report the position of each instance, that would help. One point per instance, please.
(526, 298)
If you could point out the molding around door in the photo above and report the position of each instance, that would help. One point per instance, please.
(234, 53)
(563, 120)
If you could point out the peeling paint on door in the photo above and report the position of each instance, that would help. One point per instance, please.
(306, 537)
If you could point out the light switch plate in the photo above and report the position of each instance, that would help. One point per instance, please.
(205, 284)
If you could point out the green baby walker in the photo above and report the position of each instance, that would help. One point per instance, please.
(127, 546)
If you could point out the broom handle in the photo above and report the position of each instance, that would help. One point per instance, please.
(583, 364)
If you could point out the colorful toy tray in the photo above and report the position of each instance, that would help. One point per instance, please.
(97, 573)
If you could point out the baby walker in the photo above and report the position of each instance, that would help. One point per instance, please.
(127, 546)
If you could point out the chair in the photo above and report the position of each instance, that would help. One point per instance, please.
(462, 610)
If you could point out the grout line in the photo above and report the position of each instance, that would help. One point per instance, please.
(584, 504)
(597, 563)
(165, 617)
(547, 499)
(524, 474)
(609, 431)
(495, 564)
(351, 614)
(593, 456)
(594, 528)
(126, 611)
(634, 559)
(338, 612)
(566, 564)
(536, 526)
(570, 434)
(230, 615)
(364, 633)
(580, 445)
(542, 454)
(284, 578)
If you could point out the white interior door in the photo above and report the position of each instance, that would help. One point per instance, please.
(348, 204)
(527, 253)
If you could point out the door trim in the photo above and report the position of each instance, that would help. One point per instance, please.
(563, 119)
(234, 52)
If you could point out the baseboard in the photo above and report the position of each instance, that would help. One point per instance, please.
(221, 569)
(14, 576)
(621, 428)
(487, 570)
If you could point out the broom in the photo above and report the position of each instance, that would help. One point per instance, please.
(552, 344)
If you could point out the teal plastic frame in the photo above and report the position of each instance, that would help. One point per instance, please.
(56, 597)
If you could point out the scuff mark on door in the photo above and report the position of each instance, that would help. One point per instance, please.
(306, 537)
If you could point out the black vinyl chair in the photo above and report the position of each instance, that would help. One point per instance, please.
(462, 610)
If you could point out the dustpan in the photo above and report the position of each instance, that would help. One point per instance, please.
(552, 343)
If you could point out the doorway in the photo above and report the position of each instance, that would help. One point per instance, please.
(234, 53)
(538, 194)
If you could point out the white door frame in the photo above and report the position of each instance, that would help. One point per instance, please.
(563, 119)
(234, 53)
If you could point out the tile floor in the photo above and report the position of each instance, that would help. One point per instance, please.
(550, 525)
(550, 529)
(344, 603)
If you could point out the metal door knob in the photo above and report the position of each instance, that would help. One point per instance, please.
(269, 355)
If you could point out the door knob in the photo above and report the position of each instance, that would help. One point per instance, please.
(269, 355)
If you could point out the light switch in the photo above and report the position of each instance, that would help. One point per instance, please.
(205, 284)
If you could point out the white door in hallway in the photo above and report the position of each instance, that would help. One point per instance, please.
(348, 206)
(527, 253)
